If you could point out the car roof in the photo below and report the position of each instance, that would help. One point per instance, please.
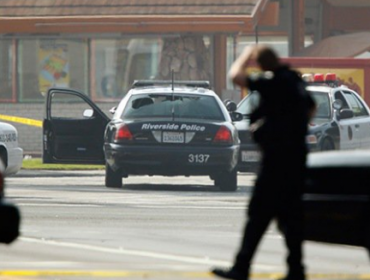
(319, 88)
(168, 90)
(171, 86)
(325, 88)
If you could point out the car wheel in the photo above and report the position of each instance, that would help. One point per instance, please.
(327, 145)
(228, 181)
(113, 179)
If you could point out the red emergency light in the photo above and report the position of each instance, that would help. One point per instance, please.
(330, 77)
(318, 78)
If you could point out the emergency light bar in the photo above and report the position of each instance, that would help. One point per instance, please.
(329, 79)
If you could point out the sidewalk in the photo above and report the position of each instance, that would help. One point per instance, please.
(37, 173)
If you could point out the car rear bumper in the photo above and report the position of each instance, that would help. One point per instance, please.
(249, 158)
(171, 161)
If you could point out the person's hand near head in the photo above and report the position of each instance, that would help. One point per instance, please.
(265, 57)
(237, 72)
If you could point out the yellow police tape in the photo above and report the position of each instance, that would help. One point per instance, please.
(21, 120)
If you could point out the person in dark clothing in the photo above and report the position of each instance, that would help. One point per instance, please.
(279, 126)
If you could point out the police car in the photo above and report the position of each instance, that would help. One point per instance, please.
(164, 128)
(342, 120)
(11, 155)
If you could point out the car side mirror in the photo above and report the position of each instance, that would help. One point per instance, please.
(113, 110)
(346, 114)
(236, 116)
(231, 106)
(88, 113)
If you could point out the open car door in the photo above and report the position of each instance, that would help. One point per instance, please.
(73, 128)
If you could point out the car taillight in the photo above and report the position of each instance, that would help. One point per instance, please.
(123, 133)
(223, 135)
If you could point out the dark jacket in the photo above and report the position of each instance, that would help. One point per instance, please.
(284, 107)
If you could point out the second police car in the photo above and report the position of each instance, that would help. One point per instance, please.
(11, 155)
(159, 128)
(342, 120)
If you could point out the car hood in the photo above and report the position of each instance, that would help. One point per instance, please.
(316, 122)
(330, 159)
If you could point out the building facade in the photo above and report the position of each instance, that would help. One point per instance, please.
(100, 47)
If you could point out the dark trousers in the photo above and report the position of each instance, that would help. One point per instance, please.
(277, 195)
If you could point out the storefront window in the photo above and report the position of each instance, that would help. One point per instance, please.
(236, 44)
(118, 62)
(105, 68)
(45, 63)
(7, 68)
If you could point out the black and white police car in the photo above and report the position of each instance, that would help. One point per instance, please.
(11, 155)
(342, 120)
(165, 128)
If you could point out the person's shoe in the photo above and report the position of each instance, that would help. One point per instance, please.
(231, 273)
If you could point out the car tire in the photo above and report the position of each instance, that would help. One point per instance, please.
(327, 145)
(227, 181)
(113, 179)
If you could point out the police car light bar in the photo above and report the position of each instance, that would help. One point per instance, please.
(148, 83)
(329, 79)
(318, 78)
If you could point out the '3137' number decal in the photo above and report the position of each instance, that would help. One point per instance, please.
(198, 158)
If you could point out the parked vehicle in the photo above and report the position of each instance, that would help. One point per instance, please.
(11, 154)
(159, 128)
(337, 198)
(342, 121)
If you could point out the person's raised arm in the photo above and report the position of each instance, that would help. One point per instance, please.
(237, 72)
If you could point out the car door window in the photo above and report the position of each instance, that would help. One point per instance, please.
(323, 104)
(339, 96)
(67, 106)
(357, 106)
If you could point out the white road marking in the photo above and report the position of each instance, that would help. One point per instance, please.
(58, 205)
(138, 253)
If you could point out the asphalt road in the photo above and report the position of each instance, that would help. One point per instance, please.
(154, 228)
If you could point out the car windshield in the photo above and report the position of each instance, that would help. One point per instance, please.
(322, 103)
(177, 106)
(247, 106)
